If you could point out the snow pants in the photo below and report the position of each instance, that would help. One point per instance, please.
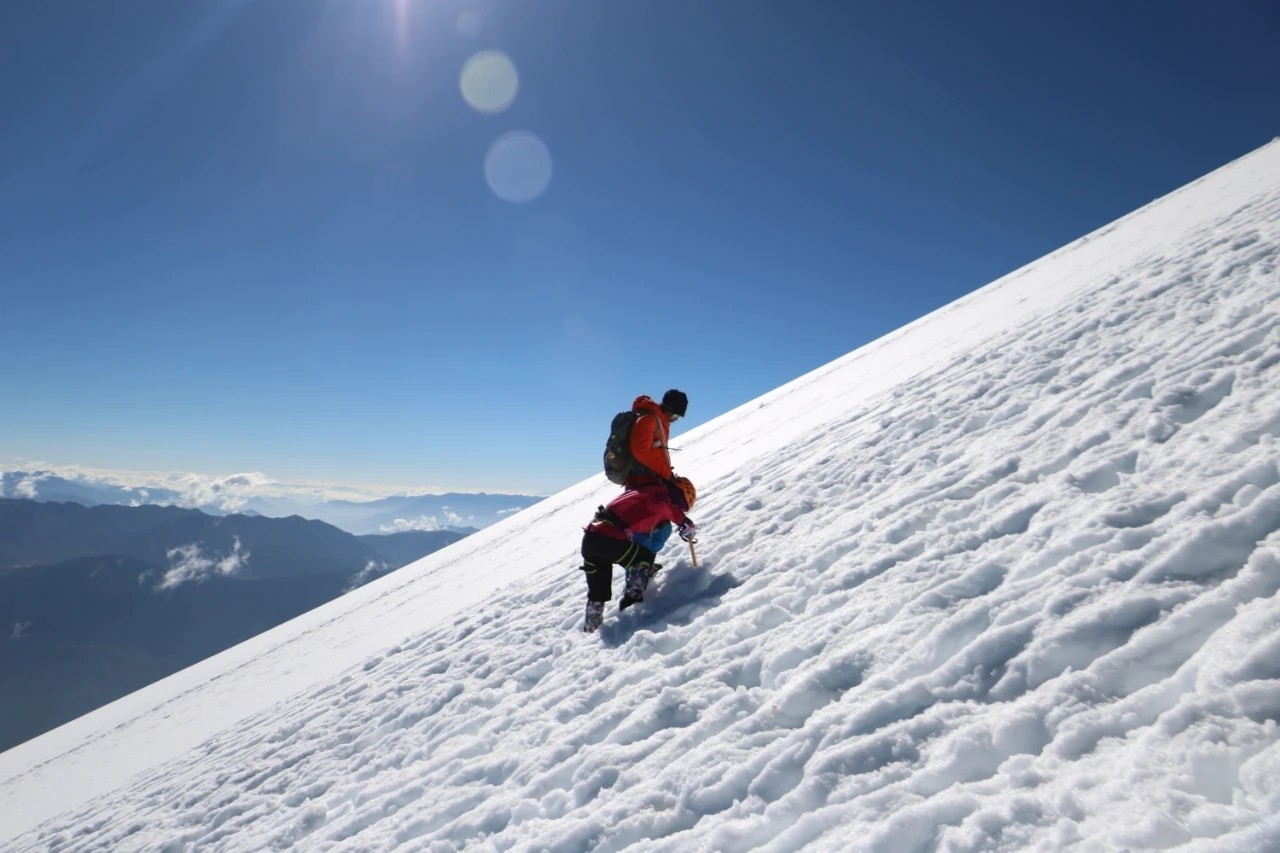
(599, 555)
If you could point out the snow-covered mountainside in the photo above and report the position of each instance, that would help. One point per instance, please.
(1005, 579)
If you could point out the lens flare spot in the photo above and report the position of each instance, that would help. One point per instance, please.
(489, 81)
(518, 167)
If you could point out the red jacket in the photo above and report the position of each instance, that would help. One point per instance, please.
(639, 511)
(649, 440)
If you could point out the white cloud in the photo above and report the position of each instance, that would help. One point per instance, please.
(222, 493)
(20, 630)
(227, 494)
(189, 563)
(424, 522)
(402, 525)
(371, 569)
(26, 488)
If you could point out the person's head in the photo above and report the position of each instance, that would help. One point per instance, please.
(676, 404)
(682, 492)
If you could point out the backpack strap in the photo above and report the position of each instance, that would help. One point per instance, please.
(607, 516)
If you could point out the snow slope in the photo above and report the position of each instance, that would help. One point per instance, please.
(1004, 579)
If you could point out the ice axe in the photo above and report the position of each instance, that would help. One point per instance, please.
(687, 536)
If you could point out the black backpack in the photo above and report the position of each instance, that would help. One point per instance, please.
(618, 461)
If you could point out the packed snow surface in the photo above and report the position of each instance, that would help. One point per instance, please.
(1005, 579)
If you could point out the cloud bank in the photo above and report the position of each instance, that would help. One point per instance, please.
(360, 509)
(35, 480)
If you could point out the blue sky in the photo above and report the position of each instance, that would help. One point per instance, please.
(276, 236)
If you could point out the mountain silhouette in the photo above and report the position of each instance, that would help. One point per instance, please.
(97, 602)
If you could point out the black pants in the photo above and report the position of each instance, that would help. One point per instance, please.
(600, 553)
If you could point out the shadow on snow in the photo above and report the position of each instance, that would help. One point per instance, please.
(677, 596)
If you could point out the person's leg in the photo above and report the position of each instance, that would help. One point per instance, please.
(599, 554)
(594, 616)
(638, 577)
(639, 570)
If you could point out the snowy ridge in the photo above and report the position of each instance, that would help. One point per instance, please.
(1005, 579)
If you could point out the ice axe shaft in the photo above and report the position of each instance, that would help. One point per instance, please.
(693, 552)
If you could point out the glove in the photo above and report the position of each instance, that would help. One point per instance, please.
(688, 532)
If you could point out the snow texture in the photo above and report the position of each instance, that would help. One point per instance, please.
(1005, 579)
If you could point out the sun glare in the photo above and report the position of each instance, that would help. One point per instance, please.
(402, 27)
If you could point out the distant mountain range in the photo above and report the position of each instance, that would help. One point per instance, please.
(394, 514)
(98, 601)
(399, 513)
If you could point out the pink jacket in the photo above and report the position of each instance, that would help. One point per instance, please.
(639, 511)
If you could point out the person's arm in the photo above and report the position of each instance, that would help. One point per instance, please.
(664, 510)
(646, 509)
(643, 437)
(682, 521)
